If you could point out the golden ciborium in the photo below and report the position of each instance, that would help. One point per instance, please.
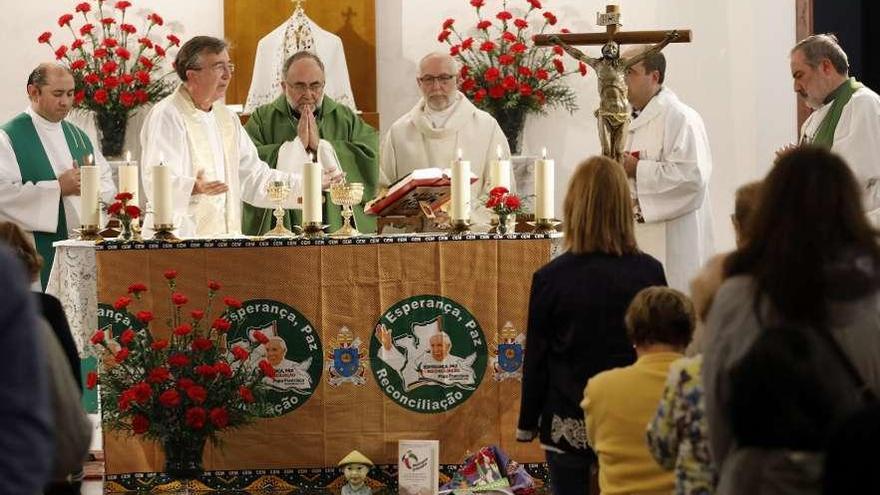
(346, 195)
(278, 191)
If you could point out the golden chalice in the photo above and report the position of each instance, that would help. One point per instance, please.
(278, 191)
(346, 195)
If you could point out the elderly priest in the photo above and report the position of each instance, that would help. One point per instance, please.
(304, 121)
(214, 165)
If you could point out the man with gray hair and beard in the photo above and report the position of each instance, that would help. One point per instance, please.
(846, 114)
(442, 122)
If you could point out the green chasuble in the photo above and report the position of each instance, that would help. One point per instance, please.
(33, 163)
(840, 97)
(355, 142)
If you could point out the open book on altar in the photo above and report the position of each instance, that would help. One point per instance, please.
(428, 186)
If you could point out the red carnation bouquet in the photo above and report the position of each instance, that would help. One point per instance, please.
(505, 205)
(115, 63)
(503, 72)
(182, 385)
(124, 212)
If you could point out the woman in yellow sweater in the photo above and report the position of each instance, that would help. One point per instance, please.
(618, 404)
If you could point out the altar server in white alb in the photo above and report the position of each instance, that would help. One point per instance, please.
(40, 154)
(846, 114)
(214, 164)
(669, 162)
(441, 123)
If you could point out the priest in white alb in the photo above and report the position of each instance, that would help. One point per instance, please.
(40, 154)
(214, 164)
(443, 122)
(846, 113)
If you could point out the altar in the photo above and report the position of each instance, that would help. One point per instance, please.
(320, 296)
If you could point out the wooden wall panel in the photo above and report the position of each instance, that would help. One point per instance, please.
(803, 28)
(246, 21)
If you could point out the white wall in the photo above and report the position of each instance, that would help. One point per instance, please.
(735, 73)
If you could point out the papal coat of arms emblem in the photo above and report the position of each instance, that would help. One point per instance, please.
(345, 362)
(508, 354)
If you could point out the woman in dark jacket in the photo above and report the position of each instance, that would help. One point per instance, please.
(576, 312)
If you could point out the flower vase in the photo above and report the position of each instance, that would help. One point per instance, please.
(506, 224)
(126, 234)
(512, 122)
(183, 457)
(112, 127)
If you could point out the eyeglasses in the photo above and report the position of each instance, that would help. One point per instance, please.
(219, 68)
(442, 79)
(303, 87)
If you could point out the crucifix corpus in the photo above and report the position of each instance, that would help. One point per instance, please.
(613, 112)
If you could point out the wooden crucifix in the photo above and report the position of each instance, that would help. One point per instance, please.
(613, 112)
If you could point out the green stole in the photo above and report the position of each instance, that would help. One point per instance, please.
(824, 136)
(35, 167)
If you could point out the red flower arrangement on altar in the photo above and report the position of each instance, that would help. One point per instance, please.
(183, 389)
(504, 73)
(124, 212)
(115, 65)
(505, 205)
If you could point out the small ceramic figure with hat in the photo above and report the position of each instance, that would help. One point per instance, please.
(355, 467)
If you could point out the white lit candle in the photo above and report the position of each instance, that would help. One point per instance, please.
(461, 189)
(544, 186)
(89, 192)
(163, 211)
(128, 178)
(312, 196)
(499, 171)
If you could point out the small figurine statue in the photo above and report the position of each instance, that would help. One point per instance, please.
(355, 467)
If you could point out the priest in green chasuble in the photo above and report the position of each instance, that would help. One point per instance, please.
(302, 123)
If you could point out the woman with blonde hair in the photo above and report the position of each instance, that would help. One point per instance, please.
(576, 318)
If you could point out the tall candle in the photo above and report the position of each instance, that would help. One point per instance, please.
(311, 194)
(128, 178)
(544, 186)
(499, 171)
(89, 192)
(163, 211)
(461, 189)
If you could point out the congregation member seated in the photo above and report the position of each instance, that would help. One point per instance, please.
(575, 323)
(618, 403)
(808, 274)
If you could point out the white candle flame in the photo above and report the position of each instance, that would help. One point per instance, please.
(544, 153)
(90, 160)
(128, 157)
(498, 151)
(161, 158)
(459, 154)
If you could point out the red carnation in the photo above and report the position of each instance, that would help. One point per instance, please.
(267, 368)
(111, 82)
(478, 3)
(525, 71)
(467, 44)
(127, 336)
(170, 274)
(525, 89)
(116, 207)
(246, 395)
(155, 19)
(92, 79)
(535, 4)
(122, 354)
(144, 61)
(479, 95)
(91, 380)
(448, 23)
(142, 392)
(464, 71)
(141, 96)
(173, 40)
(124, 196)
(504, 15)
(65, 20)
(214, 285)
(179, 299)
(261, 337)
(240, 353)
(130, 210)
(127, 78)
(498, 191)
(484, 25)
(223, 369)
(83, 7)
(202, 344)
(159, 345)
(560, 67)
(219, 417)
(159, 50)
(232, 302)
(509, 83)
(121, 303)
(45, 37)
(444, 35)
(468, 85)
(197, 314)
(147, 42)
(511, 202)
(185, 383)
(86, 29)
(582, 68)
(108, 21)
(496, 92)
(109, 66)
(143, 77)
(170, 398)
(110, 42)
(158, 375)
(123, 53)
(518, 48)
(140, 424)
(127, 100)
(505, 59)
(178, 360)
(197, 393)
(79, 96)
(123, 4)
(76, 45)
(206, 370)
(125, 399)
(221, 325)
(492, 74)
(61, 52)
(551, 19)
(557, 49)
(127, 28)
(97, 337)
(100, 53)
(195, 418)
(542, 74)
(487, 46)
(539, 95)
(493, 201)
(182, 330)
(520, 23)
(144, 316)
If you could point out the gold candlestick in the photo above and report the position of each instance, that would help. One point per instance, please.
(313, 230)
(545, 225)
(460, 226)
(165, 232)
(89, 233)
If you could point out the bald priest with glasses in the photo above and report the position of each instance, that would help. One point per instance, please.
(442, 122)
(304, 121)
